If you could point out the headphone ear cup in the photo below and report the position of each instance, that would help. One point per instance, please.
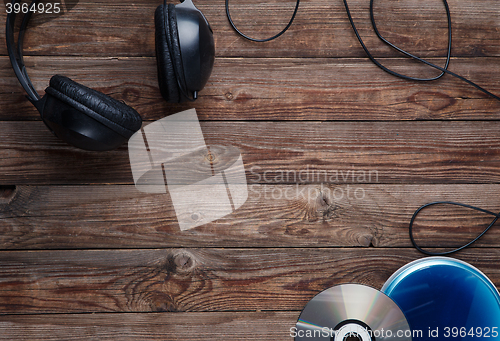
(176, 49)
(87, 118)
(168, 55)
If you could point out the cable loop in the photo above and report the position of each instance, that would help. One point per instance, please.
(266, 39)
(429, 253)
(400, 75)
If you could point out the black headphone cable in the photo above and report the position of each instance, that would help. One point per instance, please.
(397, 74)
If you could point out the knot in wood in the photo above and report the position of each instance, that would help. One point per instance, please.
(183, 262)
(210, 157)
(131, 95)
(7, 194)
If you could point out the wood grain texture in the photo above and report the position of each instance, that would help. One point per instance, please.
(237, 326)
(195, 279)
(321, 28)
(338, 155)
(274, 89)
(356, 215)
(399, 152)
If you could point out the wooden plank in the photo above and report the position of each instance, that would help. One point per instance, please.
(338, 155)
(273, 89)
(236, 326)
(200, 280)
(343, 215)
(400, 152)
(321, 28)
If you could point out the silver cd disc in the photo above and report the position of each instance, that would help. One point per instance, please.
(351, 312)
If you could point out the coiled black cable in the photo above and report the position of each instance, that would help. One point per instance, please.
(444, 70)
(419, 248)
(397, 74)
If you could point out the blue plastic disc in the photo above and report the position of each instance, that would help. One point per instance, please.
(446, 299)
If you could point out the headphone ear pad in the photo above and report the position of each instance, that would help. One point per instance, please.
(87, 118)
(168, 54)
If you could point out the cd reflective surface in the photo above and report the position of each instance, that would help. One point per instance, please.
(446, 299)
(351, 312)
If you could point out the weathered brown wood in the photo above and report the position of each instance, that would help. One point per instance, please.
(237, 326)
(321, 28)
(273, 89)
(195, 279)
(85, 255)
(400, 152)
(78, 217)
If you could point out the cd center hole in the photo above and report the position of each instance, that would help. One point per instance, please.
(352, 337)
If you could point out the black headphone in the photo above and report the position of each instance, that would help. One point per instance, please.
(91, 120)
(185, 50)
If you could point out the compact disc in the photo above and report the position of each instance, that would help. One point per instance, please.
(446, 299)
(351, 312)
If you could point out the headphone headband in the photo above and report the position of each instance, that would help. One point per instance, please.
(16, 53)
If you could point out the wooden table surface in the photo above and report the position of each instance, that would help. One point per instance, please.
(84, 255)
